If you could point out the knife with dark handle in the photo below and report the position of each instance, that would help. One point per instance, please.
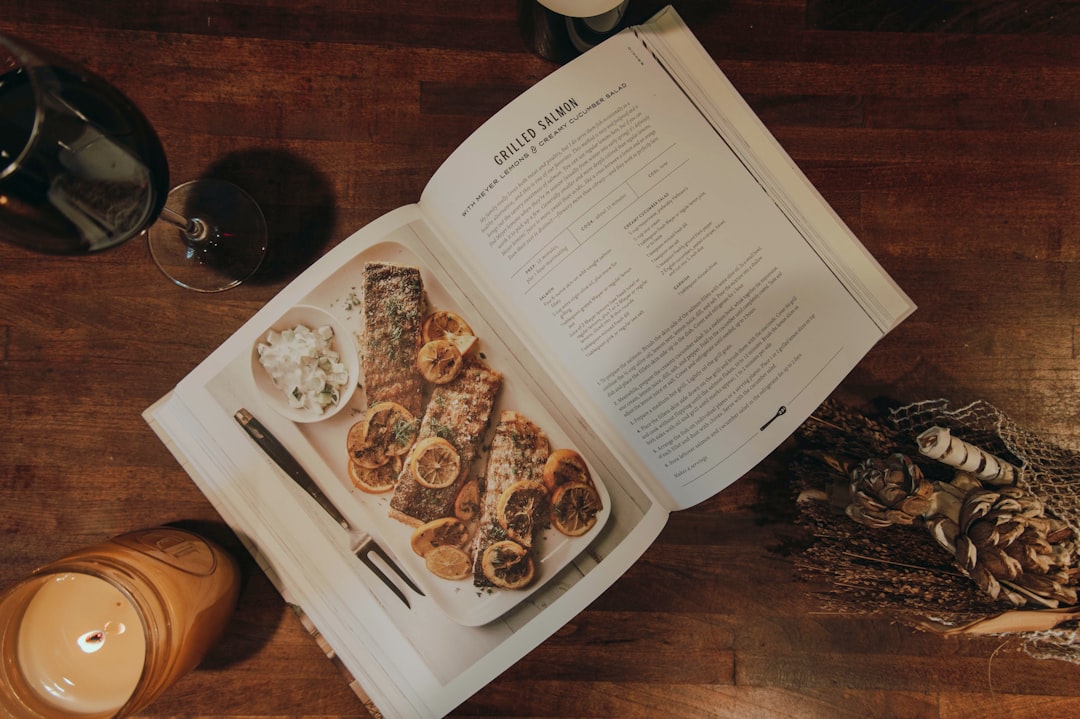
(363, 545)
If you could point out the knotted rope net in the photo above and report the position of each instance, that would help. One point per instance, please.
(903, 572)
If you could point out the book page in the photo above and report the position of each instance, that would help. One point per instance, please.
(424, 658)
(661, 289)
(670, 286)
(682, 56)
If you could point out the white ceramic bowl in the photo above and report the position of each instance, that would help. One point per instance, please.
(343, 343)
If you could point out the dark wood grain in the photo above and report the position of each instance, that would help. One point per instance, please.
(946, 134)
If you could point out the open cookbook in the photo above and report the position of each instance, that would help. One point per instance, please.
(610, 302)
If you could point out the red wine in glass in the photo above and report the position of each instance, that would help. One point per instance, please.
(81, 170)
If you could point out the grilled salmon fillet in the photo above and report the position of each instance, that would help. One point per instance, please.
(393, 315)
(458, 411)
(519, 449)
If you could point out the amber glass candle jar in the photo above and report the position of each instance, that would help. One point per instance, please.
(105, 630)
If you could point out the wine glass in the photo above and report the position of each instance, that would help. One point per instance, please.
(81, 170)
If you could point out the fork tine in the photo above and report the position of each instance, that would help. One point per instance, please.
(363, 555)
(372, 546)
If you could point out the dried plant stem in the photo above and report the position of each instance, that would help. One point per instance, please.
(826, 423)
(989, 666)
(894, 563)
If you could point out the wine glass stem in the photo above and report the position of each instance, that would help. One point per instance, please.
(195, 230)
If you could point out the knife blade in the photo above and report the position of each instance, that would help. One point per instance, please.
(362, 544)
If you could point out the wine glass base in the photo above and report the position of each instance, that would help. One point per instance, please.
(235, 244)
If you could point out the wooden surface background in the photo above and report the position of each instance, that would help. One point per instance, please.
(946, 134)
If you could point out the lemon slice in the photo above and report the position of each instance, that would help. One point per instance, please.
(467, 503)
(439, 361)
(361, 452)
(574, 508)
(520, 508)
(374, 480)
(467, 344)
(448, 562)
(391, 427)
(447, 325)
(435, 463)
(508, 565)
(564, 466)
(442, 532)
(444, 325)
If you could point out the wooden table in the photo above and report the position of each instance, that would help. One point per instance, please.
(947, 135)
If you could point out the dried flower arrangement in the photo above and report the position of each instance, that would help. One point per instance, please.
(955, 520)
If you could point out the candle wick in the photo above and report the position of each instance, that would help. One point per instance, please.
(92, 641)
